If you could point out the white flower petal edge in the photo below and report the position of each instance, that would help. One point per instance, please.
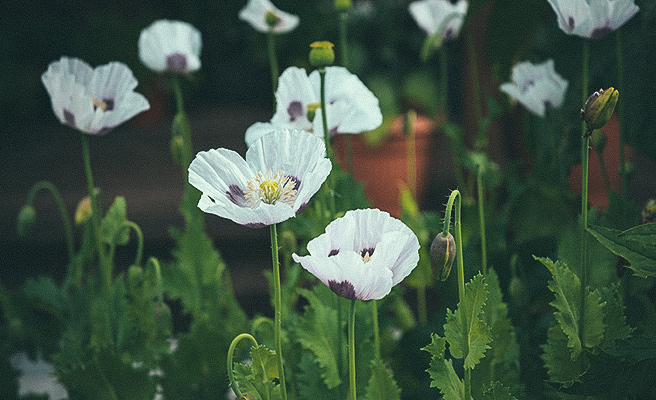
(363, 254)
(172, 46)
(593, 19)
(255, 14)
(94, 101)
(536, 86)
(230, 184)
(441, 16)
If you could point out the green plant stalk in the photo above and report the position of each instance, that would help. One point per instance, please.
(351, 344)
(140, 240)
(374, 312)
(184, 130)
(105, 267)
(585, 144)
(481, 219)
(410, 154)
(231, 351)
(604, 173)
(158, 280)
(620, 111)
(444, 83)
(326, 138)
(480, 142)
(343, 52)
(278, 307)
(273, 62)
(59, 201)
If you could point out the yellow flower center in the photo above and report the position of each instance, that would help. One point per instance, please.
(99, 104)
(270, 189)
(366, 258)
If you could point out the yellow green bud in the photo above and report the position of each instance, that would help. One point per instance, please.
(598, 140)
(271, 19)
(322, 54)
(26, 218)
(442, 254)
(83, 211)
(312, 110)
(343, 5)
(598, 108)
(649, 212)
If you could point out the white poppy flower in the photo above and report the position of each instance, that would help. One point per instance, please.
(363, 254)
(592, 19)
(172, 46)
(536, 86)
(256, 13)
(351, 106)
(282, 171)
(94, 101)
(439, 16)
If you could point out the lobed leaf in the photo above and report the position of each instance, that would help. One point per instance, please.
(637, 245)
(112, 228)
(381, 383)
(441, 371)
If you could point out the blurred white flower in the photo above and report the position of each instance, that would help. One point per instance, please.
(439, 16)
(351, 106)
(282, 171)
(536, 86)
(363, 254)
(37, 377)
(256, 13)
(94, 101)
(172, 46)
(592, 19)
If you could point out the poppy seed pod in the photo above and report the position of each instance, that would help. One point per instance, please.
(442, 254)
(598, 108)
(322, 54)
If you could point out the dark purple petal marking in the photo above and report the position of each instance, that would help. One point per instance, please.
(527, 85)
(301, 208)
(297, 182)
(333, 252)
(176, 62)
(369, 250)
(69, 118)
(333, 131)
(255, 225)
(295, 110)
(600, 33)
(344, 289)
(571, 23)
(236, 195)
(548, 105)
(449, 34)
(109, 103)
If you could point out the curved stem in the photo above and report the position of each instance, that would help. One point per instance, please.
(159, 286)
(66, 220)
(278, 307)
(351, 345)
(140, 240)
(481, 218)
(273, 63)
(259, 321)
(585, 144)
(231, 351)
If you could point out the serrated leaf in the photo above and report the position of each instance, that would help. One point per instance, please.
(558, 360)
(637, 245)
(265, 364)
(615, 320)
(309, 383)
(470, 335)
(317, 331)
(567, 289)
(497, 391)
(437, 346)
(112, 228)
(381, 383)
(245, 380)
(441, 371)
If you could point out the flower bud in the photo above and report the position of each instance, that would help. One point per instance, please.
(649, 212)
(176, 144)
(135, 277)
(26, 218)
(312, 110)
(442, 254)
(598, 108)
(83, 211)
(322, 54)
(598, 140)
(343, 5)
(271, 19)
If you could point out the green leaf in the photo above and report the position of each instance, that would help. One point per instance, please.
(637, 245)
(567, 289)
(309, 383)
(472, 335)
(560, 365)
(441, 371)
(615, 320)
(317, 331)
(496, 391)
(381, 383)
(265, 364)
(112, 228)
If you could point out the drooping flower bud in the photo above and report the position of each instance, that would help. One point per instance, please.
(322, 54)
(26, 218)
(343, 5)
(83, 211)
(442, 254)
(598, 140)
(598, 108)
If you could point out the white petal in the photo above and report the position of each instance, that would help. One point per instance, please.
(256, 131)
(255, 13)
(293, 95)
(164, 38)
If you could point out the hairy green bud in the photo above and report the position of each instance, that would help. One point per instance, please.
(598, 108)
(442, 254)
(322, 54)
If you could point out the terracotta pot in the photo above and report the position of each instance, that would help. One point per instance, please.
(382, 168)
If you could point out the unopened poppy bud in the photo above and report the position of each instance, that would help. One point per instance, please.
(83, 211)
(442, 254)
(26, 218)
(322, 54)
(271, 19)
(598, 140)
(649, 212)
(343, 5)
(176, 144)
(598, 108)
(135, 276)
(312, 110)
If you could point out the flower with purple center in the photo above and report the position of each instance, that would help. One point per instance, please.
(351, 106)
(93, 101)
(263, 16)
(536, 86)
(593, 19)
(170, 46)
(275, 182)
(363, 254)
(439, 16)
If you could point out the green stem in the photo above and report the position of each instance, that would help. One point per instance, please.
(480, 142)
(326, 138)
(481, 218)
(278, 307)
(273, 62)
(343, 44)
(105, 268)
(231, 351)
(604, 173)
(66, 220)
(351, 346)
(411, 164)
(159, 285)
(444, 82)
(620, 111)
(182, 128)
(374, 317)
(140, 240)
(422, 313)
(585, 144)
